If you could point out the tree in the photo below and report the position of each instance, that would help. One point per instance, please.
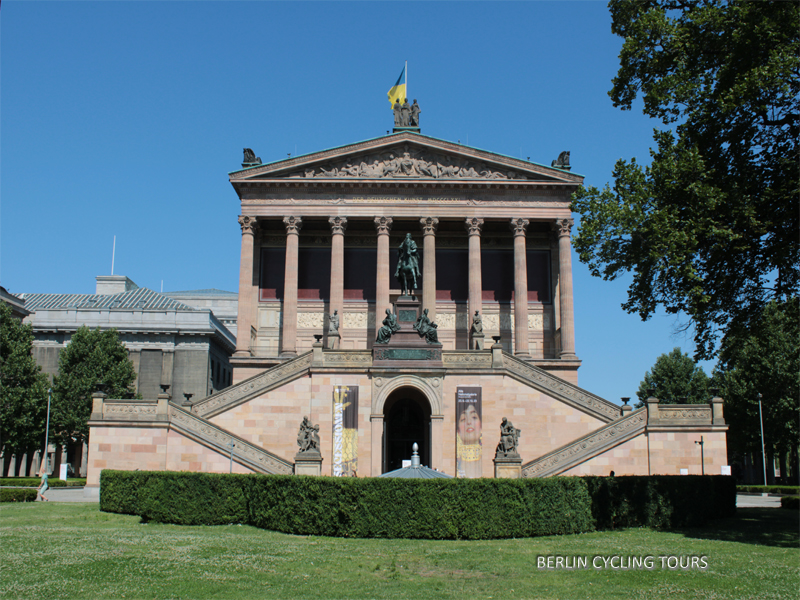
(675, 379)
(765, 362)
(92, 357)
(709, 229)
(23, 388)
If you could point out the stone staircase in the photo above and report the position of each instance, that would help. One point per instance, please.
(588, 446)
(219, 439)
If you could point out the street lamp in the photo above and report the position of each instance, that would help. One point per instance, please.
(46, 431)
(702, 458)
(763, 452)
(231, 445)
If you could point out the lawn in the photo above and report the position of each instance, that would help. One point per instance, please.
(74, 551)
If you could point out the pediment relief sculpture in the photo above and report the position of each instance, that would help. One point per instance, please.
(407, 164)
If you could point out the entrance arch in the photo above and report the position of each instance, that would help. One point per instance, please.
(406, 421)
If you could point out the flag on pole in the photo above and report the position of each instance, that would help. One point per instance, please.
(398, 90)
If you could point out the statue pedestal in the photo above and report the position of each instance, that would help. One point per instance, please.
(333, 340)
(406, 349)
(508, 467)
(308, 463)
(477, 341)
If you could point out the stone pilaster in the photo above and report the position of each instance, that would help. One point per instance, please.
(289, 331)
(429, 226)
(246, 309)
(383, 226)
(520, 228)
(474, 227)
(338, 227)
(563, 227)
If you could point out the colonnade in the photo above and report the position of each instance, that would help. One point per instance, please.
(383, 225)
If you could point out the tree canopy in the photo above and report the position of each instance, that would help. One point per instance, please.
(675, 379)
(23, 387)
(92, 357)
(710, 229)
(765, 362)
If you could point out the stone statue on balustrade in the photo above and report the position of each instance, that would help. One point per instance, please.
(390, 326)
(427, 328)
(477, 331)
(308, 437)
(407, 270)
(509, 439)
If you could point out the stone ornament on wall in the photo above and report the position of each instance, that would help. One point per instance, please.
(563, 227)
(474, 225)
(519, 226)
(309, 320)
(248, 224)
(383, 225)
(338, 225)
(429, 225)
(293, 224)
(358, 320)
(408, 163)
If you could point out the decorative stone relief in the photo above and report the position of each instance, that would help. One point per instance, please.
(383, 225)
(293, 224)
(535, 322)
(358, 320)
(429, 225)
(309, 320)
(269, 317)
(405, 162)
(474, 225)
(132, 410)
(338, 225)
(446, 320)
(248, 224)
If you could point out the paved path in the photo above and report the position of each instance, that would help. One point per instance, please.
(742, 500)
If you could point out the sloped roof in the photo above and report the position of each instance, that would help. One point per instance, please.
(140, 298)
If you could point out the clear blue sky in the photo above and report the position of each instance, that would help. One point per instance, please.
(124, 118)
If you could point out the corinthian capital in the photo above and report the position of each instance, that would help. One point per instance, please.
(519, 226)
(429, 225)
(248, 224)
(293, 224)
(383, 225)
(473, 225)
(563, 227)
(338, 225)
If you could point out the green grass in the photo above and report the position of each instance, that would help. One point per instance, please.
(75, 551)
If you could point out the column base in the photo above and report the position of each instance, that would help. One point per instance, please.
(242, 354)
(477, 341)
(333, 340)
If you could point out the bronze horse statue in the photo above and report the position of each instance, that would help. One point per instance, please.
(407, 274)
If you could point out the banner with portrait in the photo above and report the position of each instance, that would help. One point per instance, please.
(345, 431)
(469, 418)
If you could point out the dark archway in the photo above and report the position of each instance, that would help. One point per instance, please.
(407, 419)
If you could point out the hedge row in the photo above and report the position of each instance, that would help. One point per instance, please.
(792, 502)
(17, 495)
(35, 481)
(418, 508)
(768, 489)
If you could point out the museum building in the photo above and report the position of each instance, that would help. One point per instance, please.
(403, 290)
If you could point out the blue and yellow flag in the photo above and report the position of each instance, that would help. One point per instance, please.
(398, 91)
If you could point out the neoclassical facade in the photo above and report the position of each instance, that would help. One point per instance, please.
(319, 252)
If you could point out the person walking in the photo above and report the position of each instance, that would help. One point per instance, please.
(43, 486)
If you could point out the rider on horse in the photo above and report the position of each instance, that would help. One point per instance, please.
(408, 261)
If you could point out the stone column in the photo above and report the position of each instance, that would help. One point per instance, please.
(563, 227)
(244, 320)
(383, 225)
(520, 227)
(429, 225)
(289, 313)
(376, 462)
(474, 227)
(338, 227)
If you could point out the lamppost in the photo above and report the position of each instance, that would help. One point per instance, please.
(763, 452)
(702, 458)
(45, 462)
(231, 445)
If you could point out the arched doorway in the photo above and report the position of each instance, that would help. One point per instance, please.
(407, 419)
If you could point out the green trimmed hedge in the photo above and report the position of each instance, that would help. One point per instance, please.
(17, 495)
(35, 481)
(769, 489)
(792, 502)
(418, 508)
(660, 501)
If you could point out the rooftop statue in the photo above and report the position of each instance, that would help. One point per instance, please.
(562, 162)
(408, 265)
(250, 158)
(415, 110)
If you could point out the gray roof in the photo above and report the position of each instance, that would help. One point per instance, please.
(140, 298)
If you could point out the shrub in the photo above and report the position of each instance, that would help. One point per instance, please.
(119, 491)
(660, 501)
(192, 499)
(792, 502)
(17, 495)
(35, 481)
(768, 489)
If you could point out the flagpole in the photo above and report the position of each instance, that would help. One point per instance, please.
(406, 72)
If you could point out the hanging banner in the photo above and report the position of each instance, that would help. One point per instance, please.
(469, 416)
(345, 431)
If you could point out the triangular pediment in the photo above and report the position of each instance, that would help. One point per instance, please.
(406, 156)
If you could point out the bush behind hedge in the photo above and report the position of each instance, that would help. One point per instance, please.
(18, 495)
(418, 508)
(769, 489)
(792, 502)
(35, 481)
